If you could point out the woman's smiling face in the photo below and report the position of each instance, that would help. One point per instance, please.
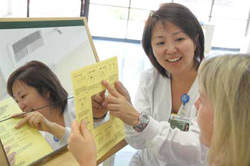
(173, 49)
(27, 97)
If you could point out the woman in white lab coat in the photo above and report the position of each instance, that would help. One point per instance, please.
(173, 40)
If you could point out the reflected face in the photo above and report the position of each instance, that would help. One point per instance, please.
(205, 118)
(172, 48)
(27, 97)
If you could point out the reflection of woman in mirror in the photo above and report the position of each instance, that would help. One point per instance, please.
(33, 86)
(186, 127)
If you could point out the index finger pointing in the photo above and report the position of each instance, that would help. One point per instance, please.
(23, 121)
(110, 89)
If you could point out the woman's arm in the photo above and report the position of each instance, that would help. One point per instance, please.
(37, 120)
(167, 144)
(81, 144)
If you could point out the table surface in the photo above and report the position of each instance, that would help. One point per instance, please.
(65, 158)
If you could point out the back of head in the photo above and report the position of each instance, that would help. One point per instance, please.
(226, 80)
(39, 76)
(182, 17)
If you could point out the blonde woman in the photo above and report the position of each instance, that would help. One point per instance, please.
(224, 109)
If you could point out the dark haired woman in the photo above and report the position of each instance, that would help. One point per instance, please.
(33, 86)
(173, 40)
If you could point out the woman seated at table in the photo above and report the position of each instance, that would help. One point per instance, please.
(34, 86)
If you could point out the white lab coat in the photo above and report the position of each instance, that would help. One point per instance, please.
(69, 115)
(159, 144)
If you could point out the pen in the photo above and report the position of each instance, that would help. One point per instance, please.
(15, 116)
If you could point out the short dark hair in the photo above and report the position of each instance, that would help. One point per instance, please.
(39, 76)
(182, 17)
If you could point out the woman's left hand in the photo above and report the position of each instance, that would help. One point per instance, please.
(120, 107)
(36, 120)
(82, 145)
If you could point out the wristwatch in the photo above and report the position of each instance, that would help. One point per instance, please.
(143, 122)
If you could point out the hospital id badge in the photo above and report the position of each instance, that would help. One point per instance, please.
(181, 123)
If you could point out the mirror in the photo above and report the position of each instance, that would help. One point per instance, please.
(63, 44)
(99, 111)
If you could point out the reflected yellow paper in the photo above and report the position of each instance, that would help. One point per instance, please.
(27, 142)
(86, 83)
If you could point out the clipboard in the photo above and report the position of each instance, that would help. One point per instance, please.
(3, 156)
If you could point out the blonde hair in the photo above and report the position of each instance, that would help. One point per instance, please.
(226, 80)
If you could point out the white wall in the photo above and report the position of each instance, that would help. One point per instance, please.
(64, 50)
(246, 44)
(208, 30)
(247, 50)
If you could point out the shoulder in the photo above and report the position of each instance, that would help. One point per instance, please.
(152, 72)
(71, 103)
(70, 108)
(152, 77)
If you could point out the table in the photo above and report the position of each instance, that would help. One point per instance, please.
(63, 157)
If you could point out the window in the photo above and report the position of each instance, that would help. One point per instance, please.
(108, 21)
(120, 19)
(228, 33)
(55, 8)
(13, 8)
(118, 3)
(231, 9)
(147, 4)
(4, 8)
(200, 8)
(136, 23)
(230, 20)
(125, 19)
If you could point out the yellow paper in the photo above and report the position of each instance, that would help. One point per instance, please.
(27, 142)
(86, 83)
